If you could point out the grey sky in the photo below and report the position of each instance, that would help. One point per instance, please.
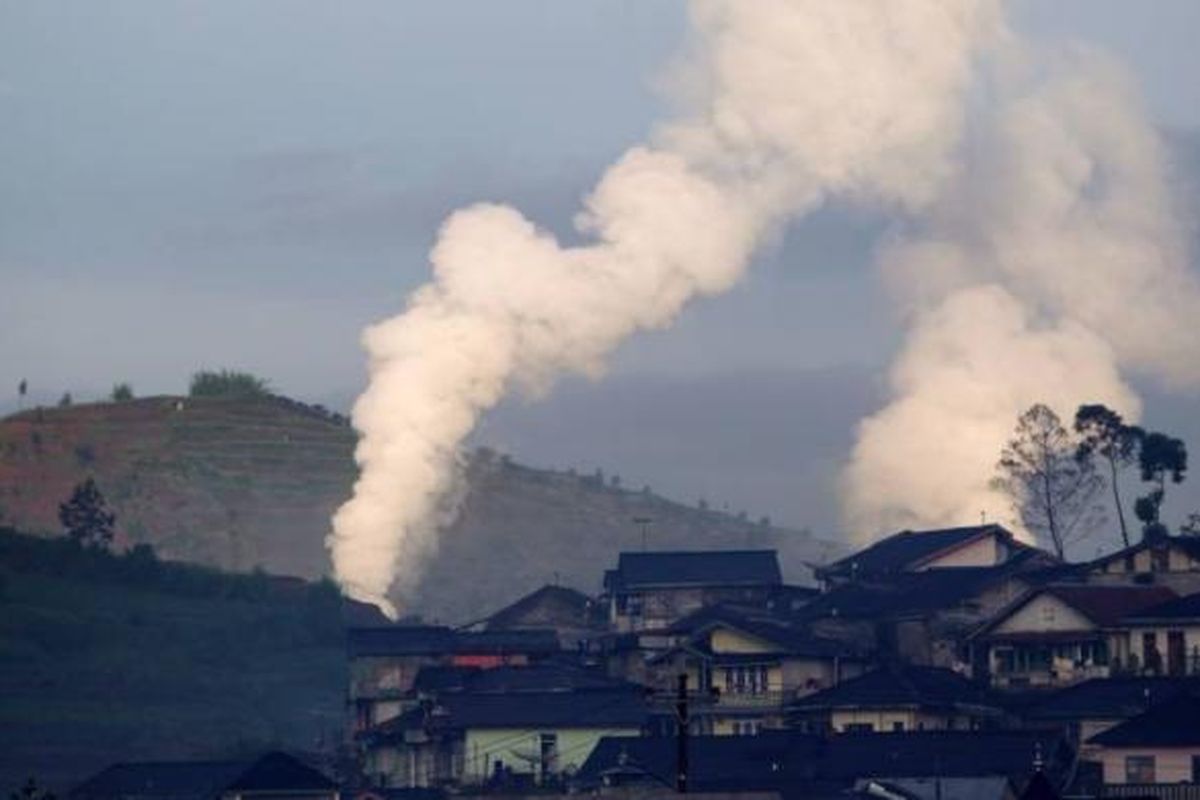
(246, 184)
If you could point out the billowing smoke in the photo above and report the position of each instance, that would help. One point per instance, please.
(786, 103)
(1051, 261)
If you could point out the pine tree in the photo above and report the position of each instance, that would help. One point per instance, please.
(85, 516)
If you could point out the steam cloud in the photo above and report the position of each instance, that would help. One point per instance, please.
(789, 102)
(1053, 260)
(1036, 254)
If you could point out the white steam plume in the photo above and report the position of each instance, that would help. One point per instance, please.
(791, 101)
(1052, 260)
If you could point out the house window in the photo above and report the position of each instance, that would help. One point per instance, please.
(860, 727)
(898, 727)
(1047, 613)
(548, 743)
(1139, 769)
(1130, 565)
(1160, 560)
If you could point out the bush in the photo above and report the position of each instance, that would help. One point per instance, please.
(228, 383)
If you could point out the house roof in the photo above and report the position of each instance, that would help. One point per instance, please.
(1188, 544)
(786, 639)
(604, 708)
(544, 677)
(1104, 605)
(983, 787)
(1109, 698)
(907, 549)
(1175, 610)
(901, 685)
(580, 607)
(694, 568)
(790, 760)
(908, 593)
(1172, 723)
(202, 780)
(406, 640)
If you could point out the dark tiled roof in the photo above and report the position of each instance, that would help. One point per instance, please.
(1104, 605)
(590, 708)
(701, 568)
(202, 780)
(1181, 608)
(807, 765)
(901, 685)
(1107, 605)
(1172, 723)
(278, 771)
(907, 593)
(907, 548)
(404, 640)
(1109, 698)
(1188, 544)
(582, 608)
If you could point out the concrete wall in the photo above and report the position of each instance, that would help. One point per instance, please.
(1045, 613)
(985, 552)
(517, 749)
(1171, 764)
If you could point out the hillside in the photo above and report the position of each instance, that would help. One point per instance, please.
(248, 483)
(106, 658)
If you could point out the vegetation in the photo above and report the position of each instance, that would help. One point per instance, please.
(1104, 434)
(121, 393)
(1159, 456)
(85, 516)
(228, 383)
(1052, 489)
(66, 400)
(107, 657)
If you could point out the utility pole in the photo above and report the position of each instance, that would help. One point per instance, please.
(644, 524)
(681, 752)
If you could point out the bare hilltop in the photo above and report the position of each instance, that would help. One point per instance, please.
(250, 483)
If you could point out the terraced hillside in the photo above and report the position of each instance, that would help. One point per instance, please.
(248, 483)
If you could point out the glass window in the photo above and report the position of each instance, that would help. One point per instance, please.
(1139, 769)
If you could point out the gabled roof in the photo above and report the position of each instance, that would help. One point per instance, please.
(1173, 723)
(581, 608)
(671, 569)
(1104, 605)
(810, 765)
(204, 780)
(1180, 609)
(433, 640)
(1109, 698)
(910, 549)
(902, 686)
(908, 593)
(606, 708)
(1188, 544)
(788, 640)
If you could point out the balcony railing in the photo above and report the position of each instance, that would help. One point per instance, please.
(1163, 791)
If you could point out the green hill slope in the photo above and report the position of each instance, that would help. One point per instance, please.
(107, 658)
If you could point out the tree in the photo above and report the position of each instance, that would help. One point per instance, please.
(1160, 457)
(31, 791)
(1191, 525)
(1052, 491)
(22, 389)
(1104, 433)
(121, 393)
(85, 516)
(227, 383)
(65, 401)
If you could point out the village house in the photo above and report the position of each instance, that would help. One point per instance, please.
(1060, 634)
(652, 590)
(384, 661)
(575, 617)
(1165, 639)
(915, 551)
(527, 737)
(1154, 749)
(1094, 706)
(898, 697)
(270, 776)
(746, 669)
(1172, 561)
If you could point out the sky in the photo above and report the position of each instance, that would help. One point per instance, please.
(242, 184)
